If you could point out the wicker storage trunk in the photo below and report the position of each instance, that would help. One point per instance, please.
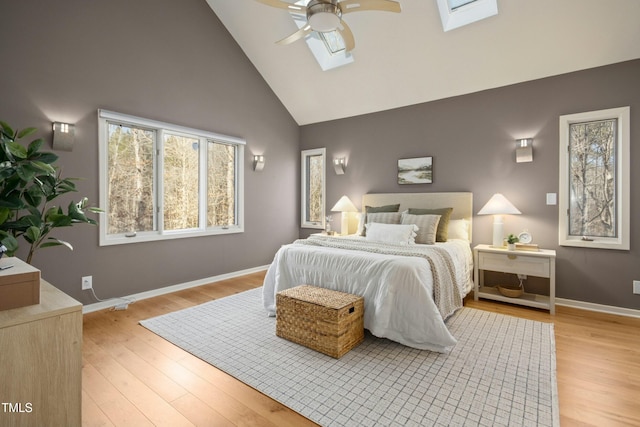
(327, 321)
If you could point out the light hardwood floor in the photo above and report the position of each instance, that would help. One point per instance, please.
(131, 377)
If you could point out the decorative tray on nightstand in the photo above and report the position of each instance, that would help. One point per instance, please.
(533, 247)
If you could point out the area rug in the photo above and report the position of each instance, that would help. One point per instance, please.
(502, 372)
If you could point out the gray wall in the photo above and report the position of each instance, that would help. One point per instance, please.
(174, 61)
(472, 141)
(160, 59)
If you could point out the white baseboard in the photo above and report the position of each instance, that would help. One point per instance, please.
(112, 302)
(610, 309)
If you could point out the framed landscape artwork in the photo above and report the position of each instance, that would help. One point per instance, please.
(418, 170)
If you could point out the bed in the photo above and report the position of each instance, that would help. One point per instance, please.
(409, 289)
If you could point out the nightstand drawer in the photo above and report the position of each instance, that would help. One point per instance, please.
(514, 263)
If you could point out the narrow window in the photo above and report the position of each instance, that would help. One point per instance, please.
(313, 188)
(594, 179)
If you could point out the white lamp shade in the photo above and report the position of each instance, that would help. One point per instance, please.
(344, 205)
(499, 205)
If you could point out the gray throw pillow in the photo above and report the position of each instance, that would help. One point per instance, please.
(376, 209)
(443, 225)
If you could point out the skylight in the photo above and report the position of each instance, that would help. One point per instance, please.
(333, 41)
(456, 13)
(454, 4)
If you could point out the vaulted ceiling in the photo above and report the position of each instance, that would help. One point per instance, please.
(406, 58)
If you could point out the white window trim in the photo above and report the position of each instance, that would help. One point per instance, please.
(303, 172)
(622, 241)
(457, 17)
(204, 136)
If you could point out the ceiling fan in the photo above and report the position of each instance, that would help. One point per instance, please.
(324, 16)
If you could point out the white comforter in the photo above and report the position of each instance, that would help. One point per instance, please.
(397, 290)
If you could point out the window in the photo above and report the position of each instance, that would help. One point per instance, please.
(162, 181)
(313, 188)
(333, 41)
(594, 179)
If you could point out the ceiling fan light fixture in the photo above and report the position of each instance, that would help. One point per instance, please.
(324, 22)
(323, 16)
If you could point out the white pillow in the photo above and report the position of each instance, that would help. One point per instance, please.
(381, 217)
(459, 229)
(427, 227)
(398, 234)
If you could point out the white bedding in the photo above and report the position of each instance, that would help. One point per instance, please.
(397, 290)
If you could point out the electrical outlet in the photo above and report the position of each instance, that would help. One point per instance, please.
(636, 287)
(87, 282)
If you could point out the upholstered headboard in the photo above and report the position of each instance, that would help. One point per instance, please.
(461, 202)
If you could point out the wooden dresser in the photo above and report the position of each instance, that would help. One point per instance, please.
(41, 362)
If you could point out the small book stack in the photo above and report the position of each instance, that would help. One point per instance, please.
(527, 247)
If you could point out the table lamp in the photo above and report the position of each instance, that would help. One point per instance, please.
(497, 206)
(345, 206)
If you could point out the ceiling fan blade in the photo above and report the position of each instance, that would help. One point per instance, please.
(347, 36)
(285, 5)
(301, 33)
(348, 6)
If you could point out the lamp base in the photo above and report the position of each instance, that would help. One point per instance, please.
(498, 233)
(344, 225)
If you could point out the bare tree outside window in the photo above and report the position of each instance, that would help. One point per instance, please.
(221, 184)
(164, 181)
(594, 181)
(130, 179)
(180, 182)
(313, 185)
(592, 148)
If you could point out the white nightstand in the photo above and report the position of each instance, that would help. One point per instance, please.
(540, 264)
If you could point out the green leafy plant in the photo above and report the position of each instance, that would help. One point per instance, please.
(29, 183)
(512, 238)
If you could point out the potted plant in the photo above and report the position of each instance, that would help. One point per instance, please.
(512, 239)
(29, 183)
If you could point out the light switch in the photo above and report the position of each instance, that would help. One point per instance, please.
(552, 199)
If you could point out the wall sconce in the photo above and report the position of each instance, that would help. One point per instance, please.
(63, 136)
(524, 150)
(339, 165)
(258, 163)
